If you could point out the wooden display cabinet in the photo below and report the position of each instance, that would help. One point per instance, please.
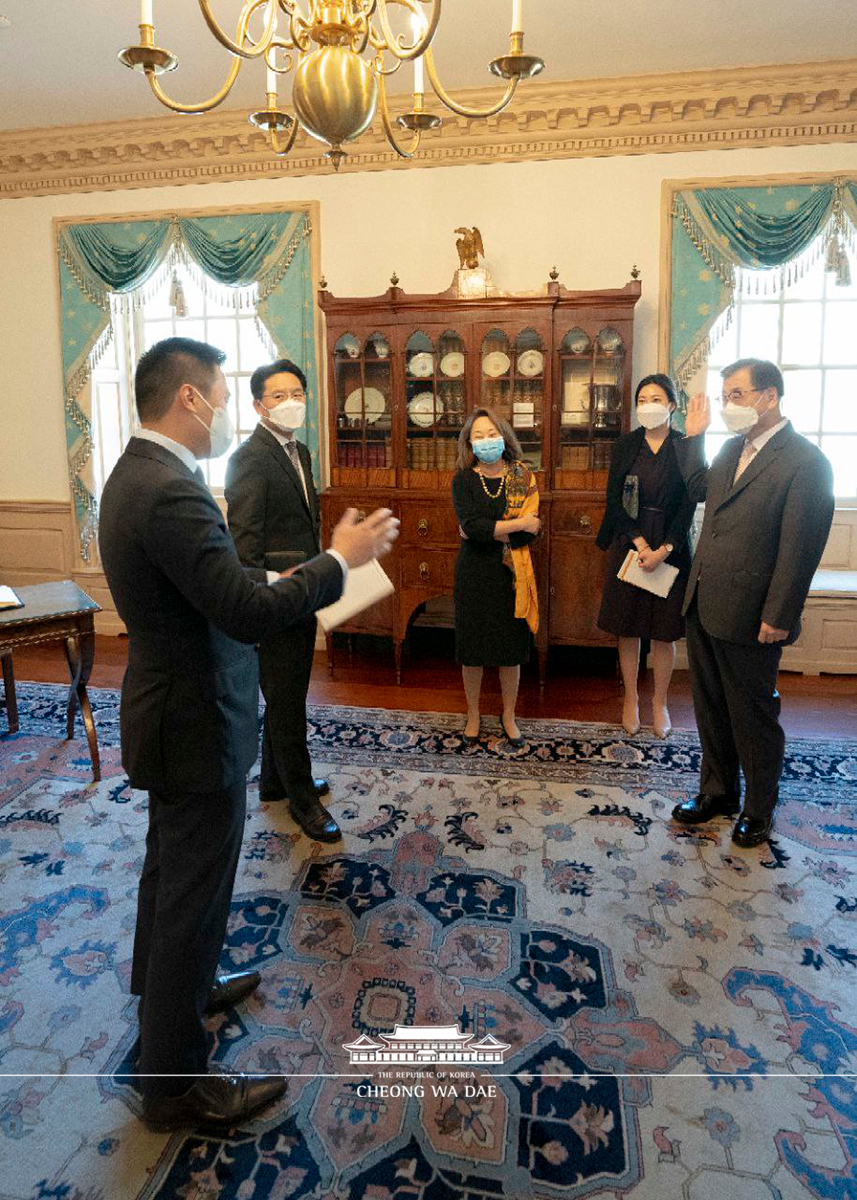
(404, 372)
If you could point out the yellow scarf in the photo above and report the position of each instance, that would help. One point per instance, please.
(522, 499)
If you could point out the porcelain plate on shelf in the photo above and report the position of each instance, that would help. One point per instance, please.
(452, 364)
(577, 342)
(421, 365)
(371, 406)
(609, 340)
(422, 409)
(530, 363)
(495, 364)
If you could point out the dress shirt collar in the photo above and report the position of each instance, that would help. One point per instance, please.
(281, 437)
(764, 438)
(160, 439)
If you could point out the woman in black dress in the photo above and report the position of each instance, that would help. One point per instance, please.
(648, 509)
(488, 586)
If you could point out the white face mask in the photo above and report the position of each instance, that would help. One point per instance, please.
(739, 418)
(651, 416)
(221, 430)
(288, 415)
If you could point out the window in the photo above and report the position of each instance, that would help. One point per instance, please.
(809, 327)
(237, 332)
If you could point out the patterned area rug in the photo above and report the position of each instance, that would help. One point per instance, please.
(676, 1017)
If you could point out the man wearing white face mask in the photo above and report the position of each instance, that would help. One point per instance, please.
(273, 515)
(768, 509)
(188, 717)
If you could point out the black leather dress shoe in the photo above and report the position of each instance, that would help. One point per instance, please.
(751, 831)
(230, 990)
(703, 808)
(216, 1101)
(315, 820)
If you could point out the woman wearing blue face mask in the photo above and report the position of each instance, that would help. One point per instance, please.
(648, 510)
(496, 607)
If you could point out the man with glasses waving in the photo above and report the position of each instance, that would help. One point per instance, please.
(274, 518)
(768, 509)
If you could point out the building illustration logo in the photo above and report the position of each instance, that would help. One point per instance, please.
(424, 1045)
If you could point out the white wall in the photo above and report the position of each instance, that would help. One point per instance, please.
(593, 218)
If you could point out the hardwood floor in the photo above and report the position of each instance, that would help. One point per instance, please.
(581, 684)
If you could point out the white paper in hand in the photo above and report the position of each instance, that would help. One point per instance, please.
(658, 581)
(364, 587)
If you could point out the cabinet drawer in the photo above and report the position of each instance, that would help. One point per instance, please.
(429, 524)
(428, 568)
(577, 518)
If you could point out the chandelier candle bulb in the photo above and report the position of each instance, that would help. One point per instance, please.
(517, 16)
(146, 13)
(419, 78)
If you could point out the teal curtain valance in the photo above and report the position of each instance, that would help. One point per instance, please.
(717, 231)
(262, 259)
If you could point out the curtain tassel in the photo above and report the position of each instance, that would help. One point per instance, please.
(837, 261)
(178, 303)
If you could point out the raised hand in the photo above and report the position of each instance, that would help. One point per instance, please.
(698, 415)
(360, 541)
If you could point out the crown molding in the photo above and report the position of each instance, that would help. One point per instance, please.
(783, 105)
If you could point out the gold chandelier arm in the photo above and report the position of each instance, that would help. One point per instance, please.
(388, 126)
(203, 106)
(283, 149)
(237, 48)
(414, 6)
(461, 109)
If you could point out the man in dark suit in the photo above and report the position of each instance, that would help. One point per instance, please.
(768, 509)
(189, 711)
(273, 515)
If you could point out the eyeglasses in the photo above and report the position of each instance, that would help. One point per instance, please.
(736, 395)
(279, 397)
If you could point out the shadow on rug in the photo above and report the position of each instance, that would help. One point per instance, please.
(668, 1016)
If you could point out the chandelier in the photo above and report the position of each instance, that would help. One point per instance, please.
(340, 54)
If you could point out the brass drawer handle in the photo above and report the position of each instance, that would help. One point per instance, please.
(424, 572)
(422, 527)
(585, 523)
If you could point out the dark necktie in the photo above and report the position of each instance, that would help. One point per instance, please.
(292, 451)
(198, 476)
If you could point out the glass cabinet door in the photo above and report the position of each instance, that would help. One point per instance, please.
(591, 377)
(363, 402)
(435, 371)
(574, 401)
(608, 367)
(528, 395)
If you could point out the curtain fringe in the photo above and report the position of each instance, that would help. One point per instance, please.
(710, 254)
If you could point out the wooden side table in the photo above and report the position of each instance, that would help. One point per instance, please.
(54, 612)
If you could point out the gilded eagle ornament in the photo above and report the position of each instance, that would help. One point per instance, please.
(469, 247)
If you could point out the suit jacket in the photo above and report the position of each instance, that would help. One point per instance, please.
(762, 539)
(267, 509)
(188, 716)
(679, 510)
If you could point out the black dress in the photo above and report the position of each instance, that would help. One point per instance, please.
(487, 632)
(629, 611)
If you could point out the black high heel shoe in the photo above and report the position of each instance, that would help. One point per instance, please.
(473, 738)
(515, 742)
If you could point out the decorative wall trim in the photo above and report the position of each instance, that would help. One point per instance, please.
(787, 104)
(38, 544)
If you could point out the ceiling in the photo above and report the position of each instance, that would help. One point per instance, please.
(58, 63)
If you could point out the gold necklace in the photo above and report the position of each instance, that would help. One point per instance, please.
(492, 495)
